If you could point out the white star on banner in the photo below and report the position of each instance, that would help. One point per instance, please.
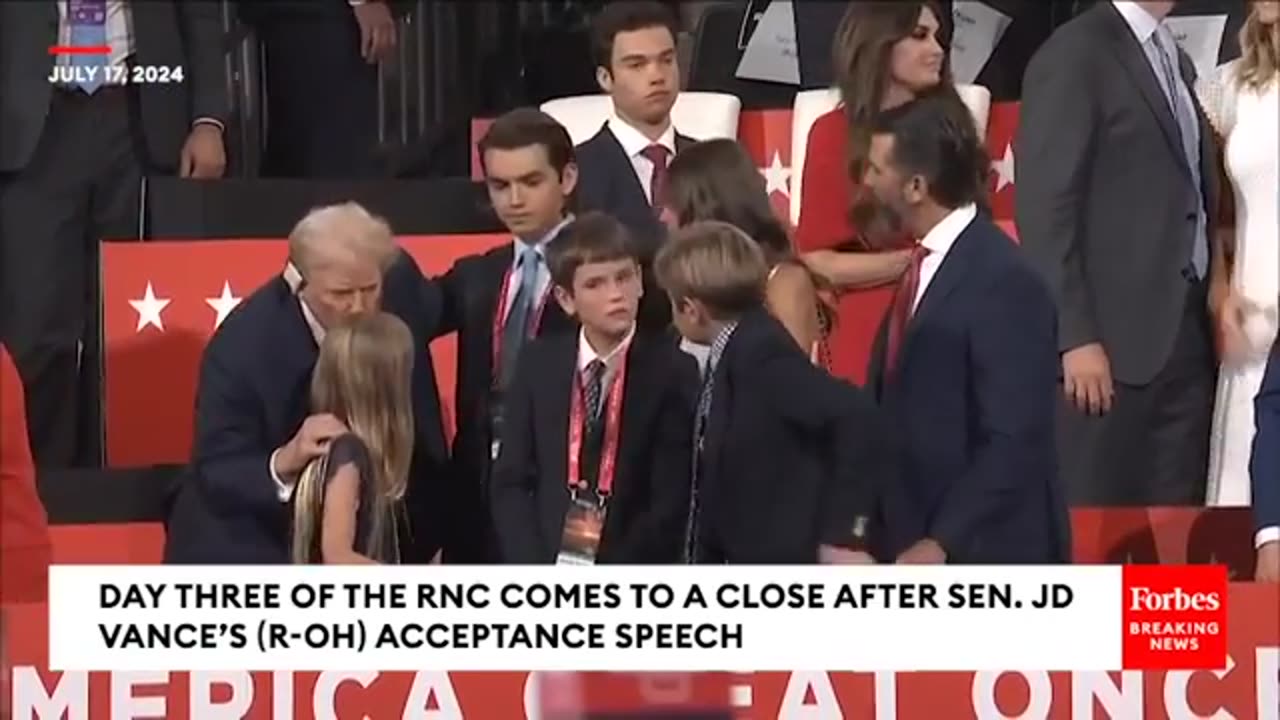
(1004, 168)
(223, 304)
(777, 177)
(149, 309)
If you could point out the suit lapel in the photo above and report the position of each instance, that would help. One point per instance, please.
(722, 394)
(683, 142)
(1134, 60)
(639, 393)
(629, 192)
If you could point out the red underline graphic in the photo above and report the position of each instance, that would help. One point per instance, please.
(80, 50)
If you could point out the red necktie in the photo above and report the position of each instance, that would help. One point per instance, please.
(903, 302)
(657, 154)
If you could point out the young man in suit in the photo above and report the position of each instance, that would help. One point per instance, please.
(498, 301)
(624, 166)
(1117, 178)
(1264, 472)
(966, 363)
(786, 458)
(254, 430)
(600, 422)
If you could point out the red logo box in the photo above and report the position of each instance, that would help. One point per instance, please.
(1175, 617)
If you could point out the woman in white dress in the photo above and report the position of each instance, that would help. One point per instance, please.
(1241, 101)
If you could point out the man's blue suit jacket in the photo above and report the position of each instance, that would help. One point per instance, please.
(1264, 465)
(972, 406)
(251, 398)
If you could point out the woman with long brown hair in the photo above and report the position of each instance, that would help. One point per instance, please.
(886, 54)
(718, 180)
(348, 504)
(1242, 103)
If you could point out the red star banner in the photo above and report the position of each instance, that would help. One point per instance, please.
(766, 134)
(1001, 127)
(162, 302)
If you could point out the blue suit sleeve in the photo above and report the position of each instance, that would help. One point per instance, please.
(1264, 465)
(231, 454)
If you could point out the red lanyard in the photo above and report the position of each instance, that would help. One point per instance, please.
(609, 455)
(500, 316)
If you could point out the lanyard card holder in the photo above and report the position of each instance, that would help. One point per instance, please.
(583, 523)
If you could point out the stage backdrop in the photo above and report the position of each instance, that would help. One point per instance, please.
(766, 134)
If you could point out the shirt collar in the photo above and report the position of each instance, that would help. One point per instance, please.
(313, 323)
(587, 354)
(943, 235)
(541, 245)
(1140, 22)
(634, 142)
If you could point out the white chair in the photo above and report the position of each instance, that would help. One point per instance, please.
(699, 115)
(813, 104)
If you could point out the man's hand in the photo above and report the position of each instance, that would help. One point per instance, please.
(311, 441)
(203, 156)
(832, 555)
(1086, 379)
(924, 552)
(377, 31)
(1268, 564)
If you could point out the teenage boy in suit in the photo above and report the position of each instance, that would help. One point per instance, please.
(786, 457)
(600, 422)
(498, 301)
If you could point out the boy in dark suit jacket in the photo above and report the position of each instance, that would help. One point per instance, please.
(498, 302)
(786, 457)
(600, 421)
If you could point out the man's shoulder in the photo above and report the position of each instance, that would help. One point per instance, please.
(1079, 37)
(1004, 270)
(256, 317)
(598, 145)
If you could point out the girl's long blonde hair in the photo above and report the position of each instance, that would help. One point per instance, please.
(363, 377)
(1259, 51)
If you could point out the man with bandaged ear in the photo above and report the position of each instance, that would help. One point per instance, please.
(254, 431)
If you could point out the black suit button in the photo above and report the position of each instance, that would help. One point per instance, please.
(1191, 217)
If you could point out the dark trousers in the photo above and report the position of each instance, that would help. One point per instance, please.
(1153, 447)
(80, 186)
(322, 100)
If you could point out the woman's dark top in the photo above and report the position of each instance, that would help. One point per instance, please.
(349, 449)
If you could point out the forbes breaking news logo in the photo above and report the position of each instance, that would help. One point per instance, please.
(1175, 617)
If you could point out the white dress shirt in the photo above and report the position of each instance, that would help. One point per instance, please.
(939, 241)
(611, 359)
(633, 144)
